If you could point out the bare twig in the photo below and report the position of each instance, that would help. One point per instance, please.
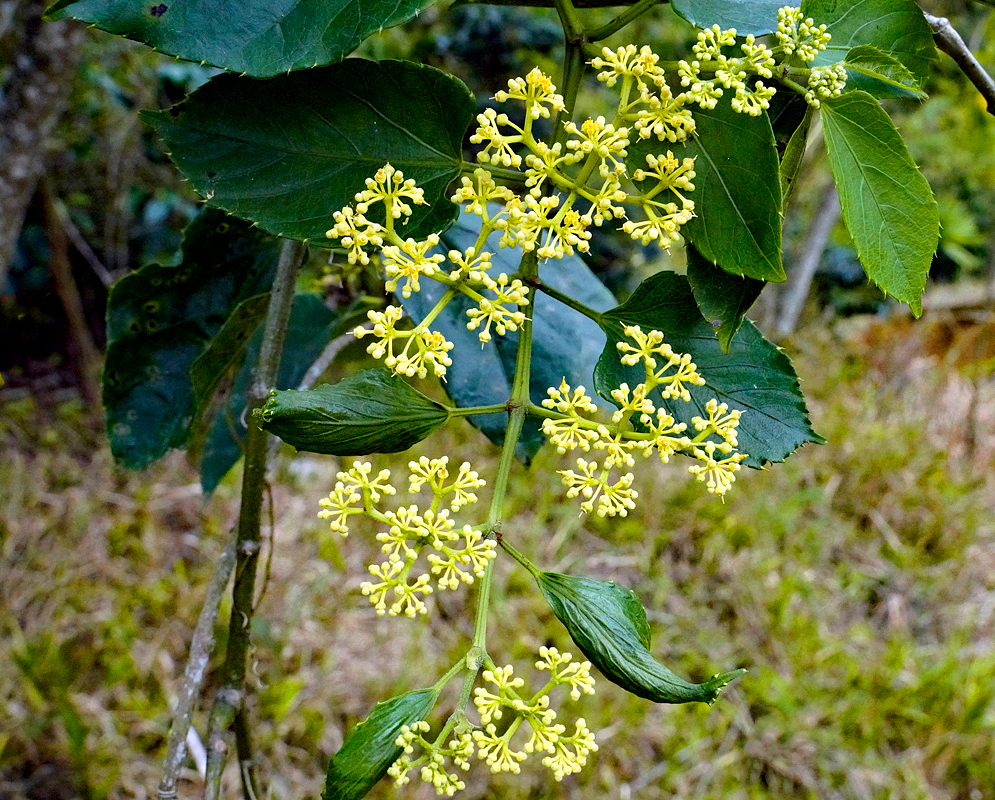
(949, 41)
(229, 700)
(801, 276)
(83, 246)
(201, 646)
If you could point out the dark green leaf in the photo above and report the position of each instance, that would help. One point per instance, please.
(872, 63)
(794, 153)
(255, 37)
(289, 151)
(565, 344)
(887, 204)
(895, 27)
(226, 351)
(608, 624)
(312, 325)
(371, 412)
(159, 319)
(754, 376)
(737, 193)
(723, 299)
(369, 749)
(746, 16)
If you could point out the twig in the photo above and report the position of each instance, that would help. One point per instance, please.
(949, 41)
(801, 276)
(201, 646)
(229, 700)
(83, 246)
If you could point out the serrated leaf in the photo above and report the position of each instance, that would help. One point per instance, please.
(256, 37)
(371, 412)
(722, 299)
(369, 749)
(608, 623)
(287, 152)
(311, 326)
(746, 16)
(754, 376)
(565, 344)
(159, 319)
(887, 204)
(895, 27)
(872, 63)
(737, 193)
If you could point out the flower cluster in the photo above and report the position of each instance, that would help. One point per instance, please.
(711, 71)
(457, 555)
(640, 426)
(564, 753)
(588, 173)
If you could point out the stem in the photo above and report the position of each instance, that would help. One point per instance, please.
(201, 646)
(228, 702)
(623, 19)
(567, 300)
(518, 405)
(532, 568)
(498, 408)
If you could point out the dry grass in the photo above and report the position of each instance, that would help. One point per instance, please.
(856, 582)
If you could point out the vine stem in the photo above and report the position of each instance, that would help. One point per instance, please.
(228, 703)
(518, 407)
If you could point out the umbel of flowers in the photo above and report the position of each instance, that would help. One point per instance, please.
(567, 189)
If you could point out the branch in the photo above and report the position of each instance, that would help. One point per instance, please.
(229, 700)
(200, 654)
(949, 41)
(801, 276)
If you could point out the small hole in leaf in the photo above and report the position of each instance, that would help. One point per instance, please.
(159, 10)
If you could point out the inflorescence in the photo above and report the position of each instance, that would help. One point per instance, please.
(501, 705)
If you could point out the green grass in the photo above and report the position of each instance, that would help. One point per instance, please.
(854, 582)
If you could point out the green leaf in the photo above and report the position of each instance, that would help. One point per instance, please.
(872, 63)
(895, 27)
(226, 351)
(369, 749)
(565, 344)
(256, 37)
(723, 299)
(159, 319)
(371, 412)
(754, 376)
(887, 204)
(608, 624)
(311, 326)
(287, 152)
(746, 16)
(737, 193)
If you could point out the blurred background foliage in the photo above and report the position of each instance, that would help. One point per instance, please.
(855, 582)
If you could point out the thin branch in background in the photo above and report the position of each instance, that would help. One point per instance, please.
(800, 278)
(83, 246)
(949, 41)
(193, 677)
